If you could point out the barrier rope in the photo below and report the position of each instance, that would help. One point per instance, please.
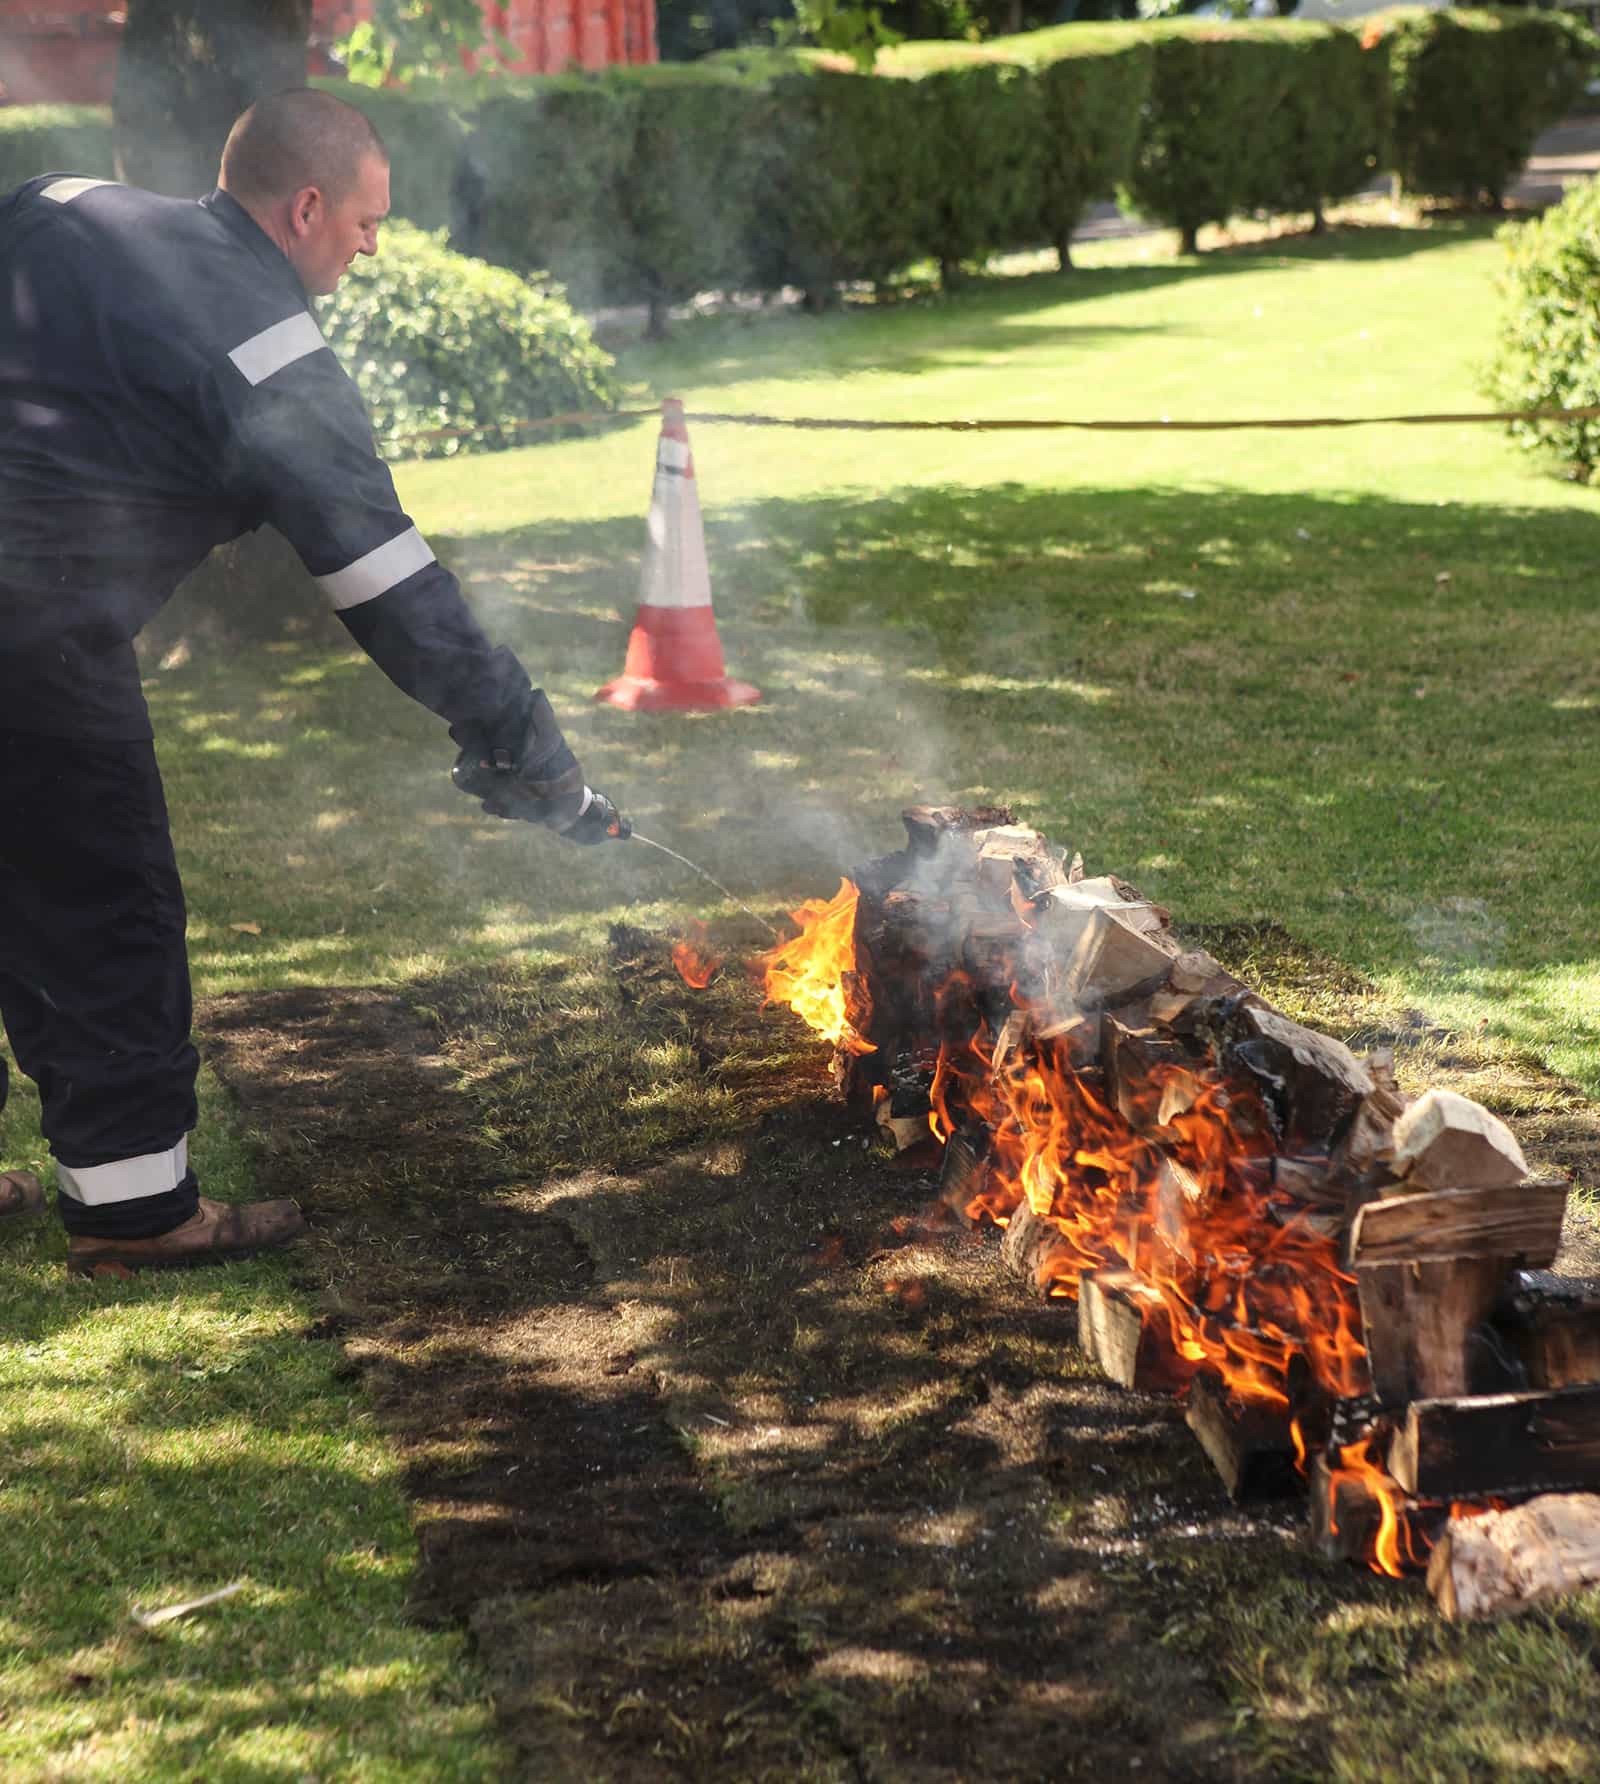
(1010, 424)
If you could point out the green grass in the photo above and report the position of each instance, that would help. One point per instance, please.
(164, 1438)
(1226, 667)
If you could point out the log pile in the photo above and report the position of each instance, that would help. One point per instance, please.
(1344, 1282)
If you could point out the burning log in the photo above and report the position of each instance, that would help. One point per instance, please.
(1499, 1443)
(1227, 1191)
(1360, 1513)
(1037, 1251)
(1124, 1328)
(1500, 1561)
(1248, 1441)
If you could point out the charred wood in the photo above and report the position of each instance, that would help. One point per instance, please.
(1495, 1443)
(1248, 1441)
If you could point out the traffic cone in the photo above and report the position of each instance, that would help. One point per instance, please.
(674, 661)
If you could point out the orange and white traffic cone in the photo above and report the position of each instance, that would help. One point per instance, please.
(674, 661)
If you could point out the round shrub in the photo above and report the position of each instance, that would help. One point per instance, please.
(450, 352)
(1548, 351)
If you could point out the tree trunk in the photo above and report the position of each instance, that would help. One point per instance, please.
(187, 70)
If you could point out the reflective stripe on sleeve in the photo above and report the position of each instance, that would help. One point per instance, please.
(128, 1179)
(64, 191)
(377, 572)
(274, 348)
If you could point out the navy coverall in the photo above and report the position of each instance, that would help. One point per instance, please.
(163, 387)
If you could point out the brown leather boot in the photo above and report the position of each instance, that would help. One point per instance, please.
(217, 1233)
(20, 1193)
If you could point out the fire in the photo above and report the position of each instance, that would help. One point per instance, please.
(1249, 1288)
(814, 973)
(693, 959)
(1391, 1551)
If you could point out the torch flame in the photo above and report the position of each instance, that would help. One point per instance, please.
(810, 972)
(693, 959)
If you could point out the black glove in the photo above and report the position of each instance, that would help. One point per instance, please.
(536, 777)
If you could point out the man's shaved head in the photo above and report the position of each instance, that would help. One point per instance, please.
(292, 140)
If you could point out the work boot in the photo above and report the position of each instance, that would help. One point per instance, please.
(20, 1193)
(215, 1234)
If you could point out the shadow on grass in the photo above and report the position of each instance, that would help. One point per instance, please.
(932, 331)
(1366, 719)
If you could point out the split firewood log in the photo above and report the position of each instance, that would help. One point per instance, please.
(1313, 1082)
(1447, 1141)
(1506, 1561)
(1037, 1251)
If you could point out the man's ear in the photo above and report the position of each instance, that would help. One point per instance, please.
(305, 210)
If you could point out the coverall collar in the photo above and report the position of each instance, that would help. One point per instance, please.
(228, 210)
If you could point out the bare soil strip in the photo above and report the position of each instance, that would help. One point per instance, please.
(736, 1465)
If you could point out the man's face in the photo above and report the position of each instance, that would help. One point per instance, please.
(328, 236)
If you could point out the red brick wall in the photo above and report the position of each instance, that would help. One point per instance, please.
(66, 50)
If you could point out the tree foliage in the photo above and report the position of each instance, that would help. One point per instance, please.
(187, 69)
(405, 38)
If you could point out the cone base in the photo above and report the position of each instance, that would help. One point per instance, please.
(637, 693)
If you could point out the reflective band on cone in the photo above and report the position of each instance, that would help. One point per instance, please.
(674, 660)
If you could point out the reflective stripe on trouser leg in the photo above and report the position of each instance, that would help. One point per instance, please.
(126, 1179)
(94, 977)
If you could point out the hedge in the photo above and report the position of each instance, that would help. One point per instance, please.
(1473, 89)
(36, 139)
(1548, 349)
(773, 169)
(424, 129)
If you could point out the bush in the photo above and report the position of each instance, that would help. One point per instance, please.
(1548, 351)
(1211, 125)
(436, 340)
(547, 160)
(1330, 133)
(1473, 89)
(974, 112)
(36, 139)
(688, 188)
(1092, 87)
(843, 178)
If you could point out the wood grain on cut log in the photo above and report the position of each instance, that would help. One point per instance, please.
(1149, 1076)
(1125, 1330)
(1498, 1443)
(1518, 1223)
(1111, 958)
(965, 1172)
(1504, 1561)
(1037, 1252)
(1248, 1441)
(1418, 1320)
(1447, 1141)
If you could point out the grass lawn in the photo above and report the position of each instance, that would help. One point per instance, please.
(1345, 682)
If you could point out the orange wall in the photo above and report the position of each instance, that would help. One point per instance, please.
(66, 50)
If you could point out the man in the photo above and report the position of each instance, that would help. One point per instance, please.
(164, 387)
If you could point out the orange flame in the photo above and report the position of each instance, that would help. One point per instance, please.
(1246, 1285)
(1392, 1550)
(693, 959)
(814, 973)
